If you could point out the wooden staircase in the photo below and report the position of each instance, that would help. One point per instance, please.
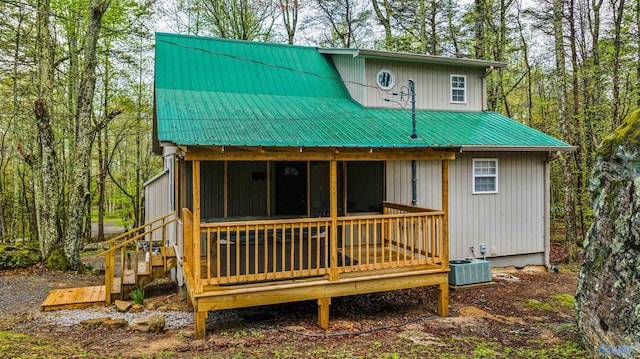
(132, 260)
(144, 272)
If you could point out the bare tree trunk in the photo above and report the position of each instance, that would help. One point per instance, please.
(46, 174)
(525, 55)
(433, 26)
(422, 23)
(84, 137)
(451, 27)
(565, 129)
(594, 112)
(384, 21)
(576, 126)
(289, 11)
(617, 44)
(480, 13)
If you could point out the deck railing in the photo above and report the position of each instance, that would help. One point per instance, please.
(126, 254)
(267, 250)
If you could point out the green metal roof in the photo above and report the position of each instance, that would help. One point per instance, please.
(236, 93)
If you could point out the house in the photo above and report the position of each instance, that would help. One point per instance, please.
(299, 173)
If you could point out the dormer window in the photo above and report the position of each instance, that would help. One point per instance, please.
(385, 79)
(458, 89)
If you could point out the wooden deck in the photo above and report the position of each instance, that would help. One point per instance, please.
(74, 298)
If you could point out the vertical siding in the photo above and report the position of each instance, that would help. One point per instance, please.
(433, 90)
(156, 196)
(428, 185)
(510, 222)
(351, 71)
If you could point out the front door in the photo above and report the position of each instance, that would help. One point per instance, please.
(291, 188)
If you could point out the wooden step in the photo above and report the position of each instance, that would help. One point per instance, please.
(169, 252)
(74, 298)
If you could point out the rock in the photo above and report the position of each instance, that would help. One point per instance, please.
(94, 323)
(152, 323)
(151, 306)
(115, 323)
(16, 257)
(136, 308)
(608, 294)
(122, 305)
(98, 271)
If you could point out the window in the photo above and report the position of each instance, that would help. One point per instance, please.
(458, 89)
(485, 175)
(385, 79)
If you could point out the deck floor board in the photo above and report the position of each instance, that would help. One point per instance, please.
(74, 298)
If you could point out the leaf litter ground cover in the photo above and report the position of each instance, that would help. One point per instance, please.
(529, 318)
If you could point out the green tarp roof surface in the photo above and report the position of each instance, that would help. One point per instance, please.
(236, 93)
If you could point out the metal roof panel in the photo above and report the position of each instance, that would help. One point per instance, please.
(238, 93)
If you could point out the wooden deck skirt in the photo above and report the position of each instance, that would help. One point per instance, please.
(250, 263)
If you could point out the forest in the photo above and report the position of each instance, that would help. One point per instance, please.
(76, 89)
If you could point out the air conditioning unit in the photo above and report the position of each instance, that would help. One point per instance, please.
(469, 271)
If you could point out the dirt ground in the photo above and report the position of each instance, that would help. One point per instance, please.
(527, 318)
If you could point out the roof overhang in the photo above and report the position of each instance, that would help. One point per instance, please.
(517, 148)
(409, 57)
(289, 153)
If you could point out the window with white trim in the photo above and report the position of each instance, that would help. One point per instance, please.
(458, 89)
(485, 175)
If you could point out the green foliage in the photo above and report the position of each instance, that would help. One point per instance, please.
(555, 302)
(18, 345)
(14, 257)
(564, 300)
(537, 305)
(57, 260)
(137, 295)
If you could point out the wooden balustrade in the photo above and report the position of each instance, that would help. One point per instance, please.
(251, 251)
(131, 249)
(266, 250)
(389, 241)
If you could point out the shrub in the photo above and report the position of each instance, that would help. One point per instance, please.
(137, 295)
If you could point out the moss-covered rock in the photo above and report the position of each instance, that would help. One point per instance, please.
(17, 257)
(626, 135)
(608, 295)
(57, 260)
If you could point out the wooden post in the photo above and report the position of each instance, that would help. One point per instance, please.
(323, 312)
(443, 288)
(200, 321)
(268, 188)
(308, 188)
(108, 274)
(333, 185)
(196, 228)
(443, 299)
(445, 218)
(226, 190)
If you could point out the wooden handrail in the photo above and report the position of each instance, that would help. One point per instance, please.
(111, 252)
(136, 237)
(124, 235)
